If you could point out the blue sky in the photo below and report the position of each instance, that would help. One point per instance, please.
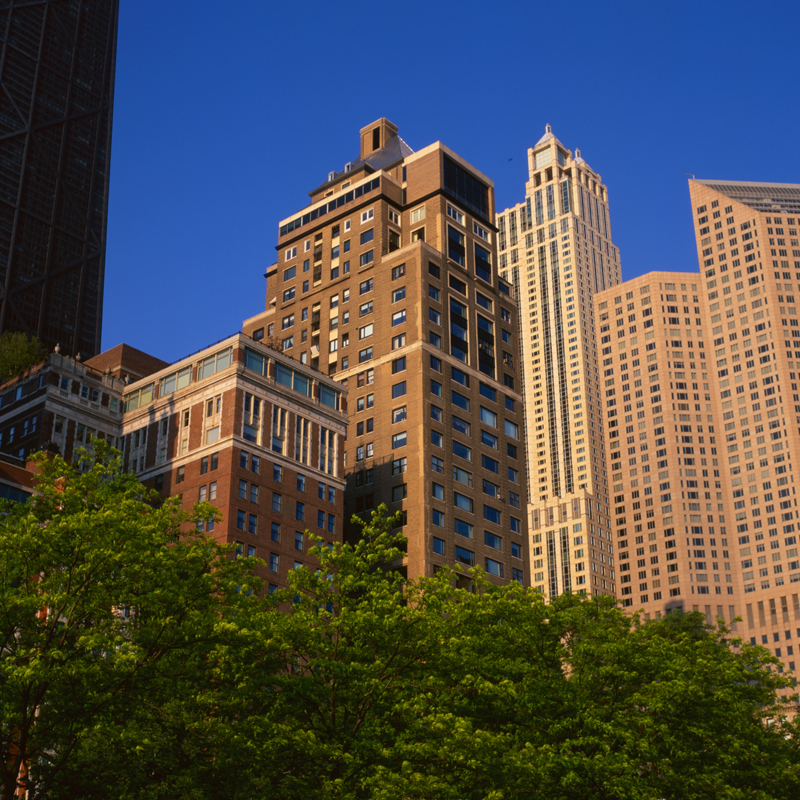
(227, 114)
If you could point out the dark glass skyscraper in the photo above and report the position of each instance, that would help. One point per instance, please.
(56, 100)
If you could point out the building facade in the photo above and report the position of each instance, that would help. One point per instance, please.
(700, 381)
(555, 248)
(388, 282)
(57, 72)
(238, 424)
(255, 434)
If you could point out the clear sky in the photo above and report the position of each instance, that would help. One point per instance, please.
(227, 114)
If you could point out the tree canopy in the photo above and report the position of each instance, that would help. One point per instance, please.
(18, 352)
(354, 682)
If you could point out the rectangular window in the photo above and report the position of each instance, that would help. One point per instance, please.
(399, 317)
(455, 248)
(398, 365)
(398, 390)
(399, 440)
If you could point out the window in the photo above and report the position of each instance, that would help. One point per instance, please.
(462, 501)
(273, 562)
(437, 490)
(434, 293)
(437, 465)
(459, 400)
(364, 309)
(398, 294)
(437, 439)
(489, 440)
(512, 429)
(461, 425)
(398, 272)
(488, 417)
(398, 365)
(299, 541)
(288, 274)
(364, 355)
(288, 294)
(398, 341)
(180, 474)
(455, 249)
(252, 526)
(398, 390)
(435, 339)
(492, 540)
(366, 216)
(465, 556)
(491, 514)
(300, 511)
(436, 413)
(489, 394)
(399, 317)
(434, 316)
(434, 271)
(399, 440)
(417, 215)
(366, 331)
(276, 501)
(437, 518)
(291, 253)
(459, 376)
(367, 236)
(455, 214)
(398, 414)
(490, 464)
(366, 258)
(462, 451)
(399, 465)
(436, 364)
(275, 532)
(399, 493)
(436, 388)
(366, 286)
(438, 546)
(494, 567)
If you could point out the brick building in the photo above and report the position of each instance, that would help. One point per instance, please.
(387, 281)
(257, 435)
(238, 424)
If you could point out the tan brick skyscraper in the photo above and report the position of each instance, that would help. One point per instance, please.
(702, 406)
(388, 282)
(556, 248)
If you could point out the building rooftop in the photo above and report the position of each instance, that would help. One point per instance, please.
(769, 197)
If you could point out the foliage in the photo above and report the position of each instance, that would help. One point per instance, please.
(102, 597)
(18, 352)
(357, 683)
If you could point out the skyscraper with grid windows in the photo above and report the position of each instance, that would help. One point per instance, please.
(555, 247)
(57, 74)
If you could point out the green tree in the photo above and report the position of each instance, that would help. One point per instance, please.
(357, 683)
(373, 686)
(18, 352)
(107, 600)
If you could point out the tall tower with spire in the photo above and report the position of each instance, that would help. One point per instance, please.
(555, 248)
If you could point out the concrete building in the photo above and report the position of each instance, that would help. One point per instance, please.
(388, 282)
(57, 66)
(555, 248)
(700, 381)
